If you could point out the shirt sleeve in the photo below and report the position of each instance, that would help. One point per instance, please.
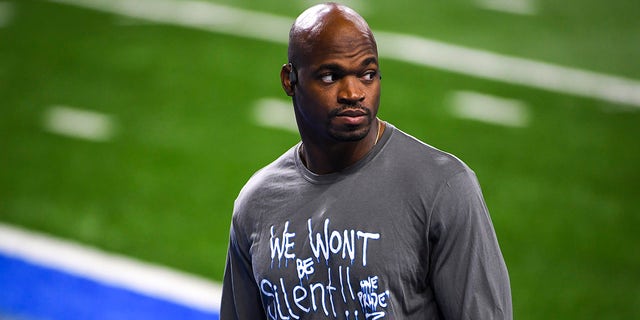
(240, 294)
(467, 270)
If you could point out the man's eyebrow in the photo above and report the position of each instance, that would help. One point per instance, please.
(329, 66)
(336, 67)
(368, 61)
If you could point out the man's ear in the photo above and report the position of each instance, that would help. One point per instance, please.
(286, 74)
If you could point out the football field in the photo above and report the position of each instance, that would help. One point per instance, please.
(130, 127)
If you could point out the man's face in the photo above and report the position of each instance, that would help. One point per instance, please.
(338, 89)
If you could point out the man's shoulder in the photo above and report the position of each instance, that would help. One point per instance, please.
(271, 175)
(419, 156)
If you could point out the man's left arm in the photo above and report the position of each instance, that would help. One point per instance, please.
(468, 273)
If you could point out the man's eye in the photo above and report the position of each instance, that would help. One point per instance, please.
(328, 78)
(370, 75)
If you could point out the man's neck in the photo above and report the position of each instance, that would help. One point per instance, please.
(325, 158)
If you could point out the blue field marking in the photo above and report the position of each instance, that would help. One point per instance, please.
(30, 291)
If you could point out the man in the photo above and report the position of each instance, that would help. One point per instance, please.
(359, 220)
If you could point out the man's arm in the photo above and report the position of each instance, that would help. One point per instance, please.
(240, 295)
(468, 273)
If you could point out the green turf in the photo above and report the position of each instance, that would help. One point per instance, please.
(563, 192)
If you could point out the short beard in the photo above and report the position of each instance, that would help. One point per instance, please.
(350, 134)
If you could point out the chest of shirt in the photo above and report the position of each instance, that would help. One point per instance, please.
(336, 255)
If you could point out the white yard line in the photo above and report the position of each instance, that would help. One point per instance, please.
(197, 15)
(275, 113)
(79, 123)
(7, 11)
(523, 7)
(407, 48)
(112, 269)
(489, 65)
(490, 109)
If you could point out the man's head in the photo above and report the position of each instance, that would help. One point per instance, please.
(332, 74)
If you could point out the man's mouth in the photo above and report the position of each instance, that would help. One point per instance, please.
(352, 117)
(351, 113)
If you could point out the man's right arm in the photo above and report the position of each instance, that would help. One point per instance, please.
(240, 294)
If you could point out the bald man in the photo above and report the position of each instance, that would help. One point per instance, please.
(359, 220)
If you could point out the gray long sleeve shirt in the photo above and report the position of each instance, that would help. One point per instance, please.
(402, 234)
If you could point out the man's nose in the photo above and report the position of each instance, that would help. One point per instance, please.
(351, 91)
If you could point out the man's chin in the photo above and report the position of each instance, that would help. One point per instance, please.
(347, 135)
